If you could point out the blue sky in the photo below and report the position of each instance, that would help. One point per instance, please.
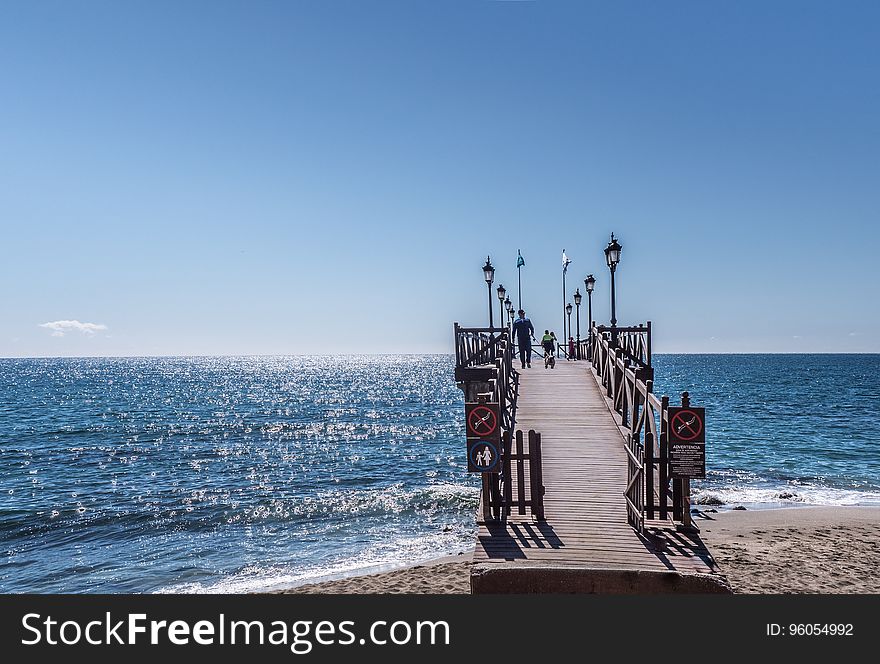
(293, 177)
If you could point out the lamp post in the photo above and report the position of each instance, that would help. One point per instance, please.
(565, 261)
(489, 275)
(577, 304)
(501, 293)
(590, 284)
(612, 257)
(568, 314)
(508, 305)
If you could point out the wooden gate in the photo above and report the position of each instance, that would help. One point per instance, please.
(529, 493)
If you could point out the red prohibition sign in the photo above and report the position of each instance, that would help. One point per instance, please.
(482, 421)
(687, 425)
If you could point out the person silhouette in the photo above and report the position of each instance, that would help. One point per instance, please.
(524, 332)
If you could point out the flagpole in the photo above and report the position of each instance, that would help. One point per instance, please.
(564, 333)
(564, 266)
(519, 263)
(519, 279)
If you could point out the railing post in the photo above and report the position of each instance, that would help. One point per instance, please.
(487, 498)
(649, 451)
(686, 482)
(508, 492)
(536, 478)
(520, 475)
(664, 457)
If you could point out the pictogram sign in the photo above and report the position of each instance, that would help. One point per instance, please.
(687, 425)
(483, 456)
(483, 421)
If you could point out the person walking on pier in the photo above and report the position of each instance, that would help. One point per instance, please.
(525, 332)
(548, 341)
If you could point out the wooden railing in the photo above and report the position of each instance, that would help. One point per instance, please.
(484, 370)
(622, 360)
(479, 346)
(483, 354)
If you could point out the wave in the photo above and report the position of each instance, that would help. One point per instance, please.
(169, 512)
(783, 495)
(378, 558)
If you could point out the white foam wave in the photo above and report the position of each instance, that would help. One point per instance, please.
(786, 495)
(379, 558)
(394, 499)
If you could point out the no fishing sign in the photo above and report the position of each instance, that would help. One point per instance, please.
(483, 420)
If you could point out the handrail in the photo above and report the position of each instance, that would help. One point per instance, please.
(621, 357)
(490, 348)
(634, 341)
(484, 358)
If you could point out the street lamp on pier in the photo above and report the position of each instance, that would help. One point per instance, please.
(568, 334)
(577, 304)
(489, 275)
(612, 257)
(590, 284)
(508, 305)
(501, 293)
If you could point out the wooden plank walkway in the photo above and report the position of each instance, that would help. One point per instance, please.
(586, 543)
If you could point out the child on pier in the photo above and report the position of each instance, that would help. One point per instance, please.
(548, 341)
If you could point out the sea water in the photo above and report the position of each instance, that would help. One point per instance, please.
(782, 429)
(241, 474)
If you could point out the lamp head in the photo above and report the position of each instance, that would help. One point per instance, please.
(488, 271)
(612, 252)
(590, 283)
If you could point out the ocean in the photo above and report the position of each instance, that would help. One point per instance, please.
(240, 474)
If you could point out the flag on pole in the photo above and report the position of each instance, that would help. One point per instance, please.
(565, 261)
(520, 261)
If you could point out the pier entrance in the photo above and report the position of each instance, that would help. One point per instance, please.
(601, 512)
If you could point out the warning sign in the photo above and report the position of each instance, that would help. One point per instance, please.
(687, 460)
(483, 457)
(482, 421)
(687, 425)
(687, 442)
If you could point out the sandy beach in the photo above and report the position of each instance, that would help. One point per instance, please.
(797, 550)
(791, 550)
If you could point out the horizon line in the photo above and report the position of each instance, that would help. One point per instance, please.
(354, 354)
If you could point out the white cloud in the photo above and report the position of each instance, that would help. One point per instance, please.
(61, 327)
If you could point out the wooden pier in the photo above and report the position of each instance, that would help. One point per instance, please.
(610, 518)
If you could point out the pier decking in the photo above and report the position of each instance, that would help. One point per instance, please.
(586, 543)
